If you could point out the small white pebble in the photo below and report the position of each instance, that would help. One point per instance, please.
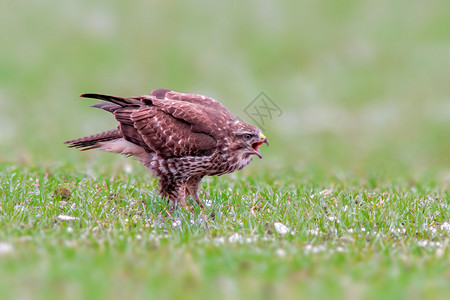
(69, 229)
(281, 228)
(207, 203)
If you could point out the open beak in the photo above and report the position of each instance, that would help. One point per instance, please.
(255, 145)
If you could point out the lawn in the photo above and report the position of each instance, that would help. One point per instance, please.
(351, 199)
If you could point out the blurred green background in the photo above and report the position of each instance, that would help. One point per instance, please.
(364, 85)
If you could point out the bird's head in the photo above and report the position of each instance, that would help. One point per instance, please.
(247, 139)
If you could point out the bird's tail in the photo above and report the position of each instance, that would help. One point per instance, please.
(93, 141)
(122, 102)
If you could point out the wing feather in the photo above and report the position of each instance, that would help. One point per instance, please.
(169, 136)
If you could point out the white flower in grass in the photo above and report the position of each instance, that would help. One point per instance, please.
(445, 226)
(235, 237)
(6, 248)
(326, 192)
(66, 218)
(136, 219)
(398, 230)
(333, 219)
(268, 238)
(280, 252)
(431, 244)
(422, 243)
(280, 228)
(432, 229)
(314, 249)
(436, 244)
(251, 239)
(314, 231)
(219, 240)
(128, 168)
(176, 223)
(440, 252)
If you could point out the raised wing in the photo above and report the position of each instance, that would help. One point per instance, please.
(170, 123)
(181, 106)
(156, 130)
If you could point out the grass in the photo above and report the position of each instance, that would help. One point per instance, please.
(357, 172)
(352, 240)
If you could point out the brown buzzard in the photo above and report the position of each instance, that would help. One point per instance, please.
(179, 137)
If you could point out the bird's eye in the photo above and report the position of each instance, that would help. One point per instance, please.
(247, 136)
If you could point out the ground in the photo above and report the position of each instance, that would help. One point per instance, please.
(76, 235)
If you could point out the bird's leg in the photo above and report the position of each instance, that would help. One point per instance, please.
(173, 192)
(192, 186)
(178, 199)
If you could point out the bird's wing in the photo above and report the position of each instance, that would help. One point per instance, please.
(164, 133)
(171, 124)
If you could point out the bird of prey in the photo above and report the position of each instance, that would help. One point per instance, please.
(179, 137)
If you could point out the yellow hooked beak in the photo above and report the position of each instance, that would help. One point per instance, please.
(255, 146)
(264, 139)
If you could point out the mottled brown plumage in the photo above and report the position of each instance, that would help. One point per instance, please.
(179, 137)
